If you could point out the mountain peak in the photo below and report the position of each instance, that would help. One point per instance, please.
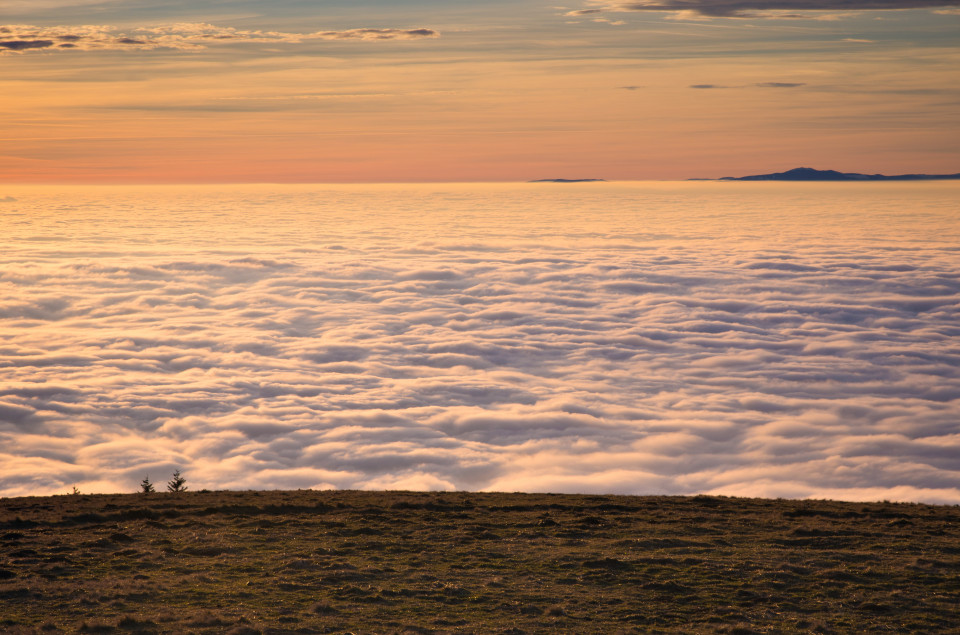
(812, 174)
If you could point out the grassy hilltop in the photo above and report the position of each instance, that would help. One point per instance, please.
(381, 562)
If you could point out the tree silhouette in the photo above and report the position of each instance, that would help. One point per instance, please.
(146, 486)
(176, 484)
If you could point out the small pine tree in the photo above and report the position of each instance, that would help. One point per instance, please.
(176, 484)
(146, 486)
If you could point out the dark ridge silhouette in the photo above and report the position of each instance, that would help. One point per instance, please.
(810, 174)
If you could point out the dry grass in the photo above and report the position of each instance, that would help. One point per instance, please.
(319, 562)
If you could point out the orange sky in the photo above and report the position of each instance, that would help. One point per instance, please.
(446, 91)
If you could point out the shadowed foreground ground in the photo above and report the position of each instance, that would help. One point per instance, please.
(308, 562)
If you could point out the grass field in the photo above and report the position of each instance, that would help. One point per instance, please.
(382, 562)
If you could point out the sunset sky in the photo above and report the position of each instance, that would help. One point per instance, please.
(291, 245)
(131, 91)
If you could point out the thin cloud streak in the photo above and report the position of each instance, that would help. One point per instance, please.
(757, 85)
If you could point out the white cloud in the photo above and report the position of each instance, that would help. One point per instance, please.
(709, 338)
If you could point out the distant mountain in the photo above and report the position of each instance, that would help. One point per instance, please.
(567, 181)
(809, 174)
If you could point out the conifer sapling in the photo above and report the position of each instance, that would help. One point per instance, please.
(176, 484)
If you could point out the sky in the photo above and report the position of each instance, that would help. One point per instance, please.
(236, 91)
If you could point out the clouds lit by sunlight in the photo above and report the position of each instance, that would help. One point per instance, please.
(727, 338)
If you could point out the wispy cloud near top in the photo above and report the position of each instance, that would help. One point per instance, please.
(19, 38)
(32, 6)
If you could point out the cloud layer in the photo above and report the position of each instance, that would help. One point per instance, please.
(751, 339)
(185, 36)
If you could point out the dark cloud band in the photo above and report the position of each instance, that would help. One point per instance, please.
(186, 36)
(24, 45)
(751, 8)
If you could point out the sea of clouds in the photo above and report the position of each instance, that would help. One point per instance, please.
(760, 339)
